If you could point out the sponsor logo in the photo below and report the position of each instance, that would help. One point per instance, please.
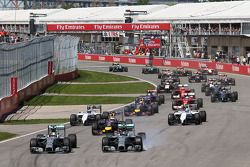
(248, 70)
(132, 60)
(116, 59)
(202, 65)
(219, 67)
(235, 68)
(167, 63)
(101, 58)
(184, 64)
(87, 57)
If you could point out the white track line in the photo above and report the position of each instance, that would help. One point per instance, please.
(18, 137)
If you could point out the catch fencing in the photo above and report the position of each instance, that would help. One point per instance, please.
(24, 63)
(65, 59)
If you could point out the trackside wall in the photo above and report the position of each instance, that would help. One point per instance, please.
(194, 64)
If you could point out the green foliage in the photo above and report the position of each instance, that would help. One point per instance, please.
(36, 121)
(77, 100)
(6, 135)
(92, 76)
(121, 88)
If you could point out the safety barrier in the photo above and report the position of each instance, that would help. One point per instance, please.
(194, 64)
(28, 68)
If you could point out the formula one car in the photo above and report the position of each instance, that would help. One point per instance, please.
(175, 78)
(210, 81)
(167, 86)
(106, 125)
(225, 80)
(92, 114)
(224, 95)
(186, 116)
(180, 71)
(55, 141)
(194, 103)
(207, 71)
(142, 106)
(116, 67)
(213, 88)
(150, 70)
(164, 73)
(197, 77)
(154, 97)
(124, 140)
(182, 92)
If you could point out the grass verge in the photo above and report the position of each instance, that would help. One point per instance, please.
(77, 100)
(6, 135)
(92, 76)
(36, 121)
(121, 88)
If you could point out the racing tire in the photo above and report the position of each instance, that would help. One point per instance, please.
(143, 70)
(199, 103)
(129, 121)
(95, 128)
(142, 135)
(105, 142)
(33, 143)
(157, 99)
(207, 92)
(150, 110)
(213, 98)
(73, 140)
(155, 108)
(127, 110)
(162, 99)
(66, 142)
(203, 116)
(110, 69)
(203, 88)
(138, 141)
(197, 119)
(125, 69)
(170, 119)
(105, 115)
(73, 119)
(159, 76)
(233, 97)
(236, 95)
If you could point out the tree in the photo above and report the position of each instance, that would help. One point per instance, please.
(142, 2)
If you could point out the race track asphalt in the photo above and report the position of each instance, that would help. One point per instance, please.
(222, 141)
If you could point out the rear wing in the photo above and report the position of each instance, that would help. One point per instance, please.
(59, 129)
(183, 85)
(123, 125)
(95, 107)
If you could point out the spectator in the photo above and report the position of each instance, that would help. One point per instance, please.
(238, 60)
(244, 60)
(248, 57)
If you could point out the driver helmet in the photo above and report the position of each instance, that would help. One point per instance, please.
(141, 100)
(88, 111)
(53, 134)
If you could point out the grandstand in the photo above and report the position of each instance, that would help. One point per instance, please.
(203, 27)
